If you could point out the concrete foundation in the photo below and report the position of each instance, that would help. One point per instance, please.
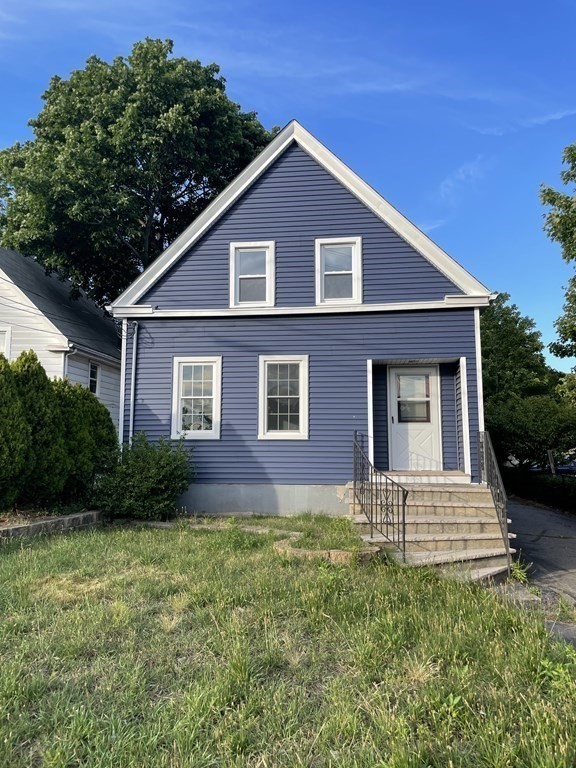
(237, 499)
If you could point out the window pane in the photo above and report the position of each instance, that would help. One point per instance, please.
(187, 372)
(413, 385)
(251, 262)
(338, 287)
(196, 397)
(337, 258)
(252, 289)
(413, 411)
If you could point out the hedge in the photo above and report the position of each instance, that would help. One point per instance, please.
(557, 491)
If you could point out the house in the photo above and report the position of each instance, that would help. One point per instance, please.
(299, 308)
(72, 338)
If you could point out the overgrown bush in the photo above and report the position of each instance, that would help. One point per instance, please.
(147, 480)
(55, 438)
(527, 427)
(91, 439)
(15, 437)
(552, 490)
(48, 462)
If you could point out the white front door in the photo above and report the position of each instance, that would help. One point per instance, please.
(414, 419)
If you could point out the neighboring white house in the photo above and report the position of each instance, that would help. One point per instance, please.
(73, 338)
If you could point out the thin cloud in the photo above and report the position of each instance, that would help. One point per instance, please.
(515, 126)
(430, 226)
(466, 174)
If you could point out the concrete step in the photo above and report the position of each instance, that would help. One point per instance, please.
(490, 575)
(438, 524)
(428, 477)
(441, 508)
(456, 561)
(442, 542)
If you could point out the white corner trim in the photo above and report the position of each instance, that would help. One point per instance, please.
(479, 381)
(375, 202)
(214, 434)
(369, 370)
(302, 433)
(7, 347)
(270, 276)
(122, 382)
(356, 243)
(465, 415)
(398, 306)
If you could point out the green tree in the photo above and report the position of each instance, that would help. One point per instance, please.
(560, 225)
(513, 362)
(527, 427)
(15, 442)
(48, 462)
(125, 155)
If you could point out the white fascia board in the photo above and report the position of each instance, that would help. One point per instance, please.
(465, 302)
(363, 191)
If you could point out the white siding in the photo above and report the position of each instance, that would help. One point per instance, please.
(29, 328)
(108, 384)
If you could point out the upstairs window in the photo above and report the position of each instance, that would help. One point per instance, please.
(252, 274)
(339, 270)
(5, 342)
(94, 378)
(197, 386)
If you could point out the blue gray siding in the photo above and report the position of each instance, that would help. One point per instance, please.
(448, 415)
(338, 346)
(294, 202)
(380, 416)
(459, 428)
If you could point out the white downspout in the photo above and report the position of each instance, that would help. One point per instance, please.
(71, 351)
(133, 381)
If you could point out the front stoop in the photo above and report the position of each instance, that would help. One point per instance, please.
(451, 526)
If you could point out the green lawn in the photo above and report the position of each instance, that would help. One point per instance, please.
(144, 647)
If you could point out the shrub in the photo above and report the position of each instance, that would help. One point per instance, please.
(552, 490)
(91, 439)
(15, 443)
(527, 427)
(48, 463)
(147, 480)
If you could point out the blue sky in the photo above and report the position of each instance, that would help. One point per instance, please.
(455, 112)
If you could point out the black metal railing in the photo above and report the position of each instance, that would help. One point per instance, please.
(380, 498)
(490, 474)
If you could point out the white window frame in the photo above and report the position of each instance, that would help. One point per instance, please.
(98, 376)
(193, 434)
(356, 243)
(8, 341)
(270, 247)
(302, 433)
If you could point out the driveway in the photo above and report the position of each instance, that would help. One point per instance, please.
(548, 540)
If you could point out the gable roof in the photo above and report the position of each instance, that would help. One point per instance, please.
(79, 320)
(294, 132)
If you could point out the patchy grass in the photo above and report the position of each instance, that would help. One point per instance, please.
(318, 531)
(131, 647)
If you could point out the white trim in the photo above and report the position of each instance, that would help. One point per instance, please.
(369, 368)
(356, 243)
(391, 401)
(7, 329)
(479, 380)
(122, 382)
(98, 377)
(214, 433)
(377, 204)
(302, 433)
(465, 415)
(448, 302)
(269, 247)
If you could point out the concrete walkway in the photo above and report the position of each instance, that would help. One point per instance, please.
(548, 540)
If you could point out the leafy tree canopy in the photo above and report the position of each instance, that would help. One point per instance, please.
(560, 225)
(124, 156)
(512, 353)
